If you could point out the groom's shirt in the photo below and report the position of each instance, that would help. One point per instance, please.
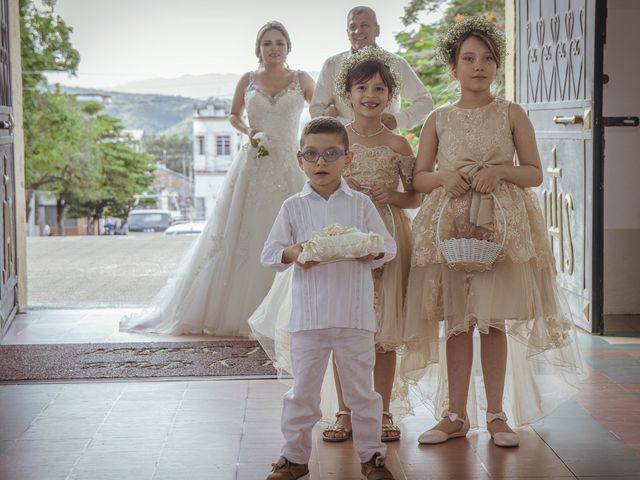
(411, 90)
(337, 294)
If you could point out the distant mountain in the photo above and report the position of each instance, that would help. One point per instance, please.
(163, 106)
(220, 85)
(195, 86)
(155, 114)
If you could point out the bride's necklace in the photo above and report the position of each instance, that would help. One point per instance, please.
(366, 135)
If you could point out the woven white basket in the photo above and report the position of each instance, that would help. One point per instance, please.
(470, 254)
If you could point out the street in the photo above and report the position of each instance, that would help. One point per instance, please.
(100, 271)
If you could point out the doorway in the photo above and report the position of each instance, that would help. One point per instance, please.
(621, 219)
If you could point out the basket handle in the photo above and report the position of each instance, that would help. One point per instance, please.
(497, 202)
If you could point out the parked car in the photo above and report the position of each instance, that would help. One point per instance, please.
(148, 220)
(187, 228)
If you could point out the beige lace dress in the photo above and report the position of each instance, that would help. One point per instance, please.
(518, 295)
(374, 166)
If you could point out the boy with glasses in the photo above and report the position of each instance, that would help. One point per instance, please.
(332, 304)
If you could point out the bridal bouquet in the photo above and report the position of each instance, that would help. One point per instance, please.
(258, 142)
(337, 242)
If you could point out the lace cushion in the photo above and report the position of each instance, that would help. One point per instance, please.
(337, 242)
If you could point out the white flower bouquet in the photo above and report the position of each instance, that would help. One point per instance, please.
(258, 142)
(337, 242)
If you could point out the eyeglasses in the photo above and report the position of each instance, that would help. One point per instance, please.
(330, 155)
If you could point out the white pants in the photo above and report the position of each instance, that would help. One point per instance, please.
(355, 356)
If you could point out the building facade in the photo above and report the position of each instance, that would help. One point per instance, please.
(215, 143)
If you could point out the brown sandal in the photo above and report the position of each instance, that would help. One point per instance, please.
(337, 428)
(390, 432)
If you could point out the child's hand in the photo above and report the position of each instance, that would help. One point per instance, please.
(382, 194)
(486, 180)
(455, 183)
(290, 255)
(354, 184)
(306, 265)
(367, 258)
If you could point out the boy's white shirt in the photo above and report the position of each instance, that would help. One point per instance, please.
(412, 90)
(338, 294)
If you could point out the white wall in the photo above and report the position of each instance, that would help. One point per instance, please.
(622, 162)
(207, 186)
(210, 128)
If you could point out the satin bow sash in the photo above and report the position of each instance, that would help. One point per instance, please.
(481, 211)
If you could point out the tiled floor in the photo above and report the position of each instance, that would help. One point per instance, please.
(223, 429)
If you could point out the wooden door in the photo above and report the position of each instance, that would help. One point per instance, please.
(558, 82)
(9, 276)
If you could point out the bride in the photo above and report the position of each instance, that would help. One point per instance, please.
(220, 281)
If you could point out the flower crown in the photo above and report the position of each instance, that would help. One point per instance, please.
(367, 53)
(447, 43)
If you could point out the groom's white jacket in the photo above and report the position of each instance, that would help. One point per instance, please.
(412, 90)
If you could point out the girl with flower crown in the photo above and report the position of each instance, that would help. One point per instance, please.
(465, 163)
(382, 160)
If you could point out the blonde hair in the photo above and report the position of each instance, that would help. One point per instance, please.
(272, 25)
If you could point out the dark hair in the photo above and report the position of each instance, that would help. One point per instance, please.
(483, 37)
(358, 10)
(328, 125)
(366, 70)
(272, 25)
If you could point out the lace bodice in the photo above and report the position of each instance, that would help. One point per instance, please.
(277, 116)
(378, 165)
(469, 139)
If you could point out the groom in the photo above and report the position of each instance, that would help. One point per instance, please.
(363, 29)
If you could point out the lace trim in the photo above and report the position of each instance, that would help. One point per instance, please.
(379, 164)
(294, 86)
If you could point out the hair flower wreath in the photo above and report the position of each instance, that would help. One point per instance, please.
(367, 53)
(447, 43)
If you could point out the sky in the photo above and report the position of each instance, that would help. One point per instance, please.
(127, 40)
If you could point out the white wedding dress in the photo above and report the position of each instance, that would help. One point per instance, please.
(220, 281)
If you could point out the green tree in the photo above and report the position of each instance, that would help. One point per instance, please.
(50, 128)
(45, 42)
(71, 149)
(174, 151)
(417, 42)
(121, 171)
(61, 163)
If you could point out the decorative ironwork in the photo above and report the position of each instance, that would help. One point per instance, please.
(555, 68)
